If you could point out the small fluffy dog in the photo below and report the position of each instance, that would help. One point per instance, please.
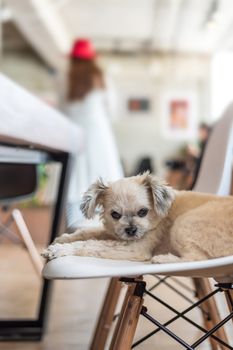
(146, 220)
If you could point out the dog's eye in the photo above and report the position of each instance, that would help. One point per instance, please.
(142, 212)
(116, 215)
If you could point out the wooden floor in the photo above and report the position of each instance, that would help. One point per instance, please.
(74, 308)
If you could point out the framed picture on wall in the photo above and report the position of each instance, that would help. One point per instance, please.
(179, 115)
(138, 104)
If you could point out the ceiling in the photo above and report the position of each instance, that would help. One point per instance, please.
(123, 26)
(161, 25)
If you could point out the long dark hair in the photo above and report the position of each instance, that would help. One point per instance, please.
(83, 76)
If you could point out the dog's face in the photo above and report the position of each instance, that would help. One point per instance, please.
(130, 207)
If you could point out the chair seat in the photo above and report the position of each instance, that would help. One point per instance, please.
(76, 267)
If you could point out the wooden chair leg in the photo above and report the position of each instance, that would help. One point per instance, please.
(27, 239)
(106, 315)
(203, 288)
(229, 298)
(129, 292)
(126, 326)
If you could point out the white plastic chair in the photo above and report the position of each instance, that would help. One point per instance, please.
(214, 177)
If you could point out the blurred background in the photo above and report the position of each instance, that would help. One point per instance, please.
(158, 56)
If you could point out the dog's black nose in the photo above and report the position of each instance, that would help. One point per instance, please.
(131, 230)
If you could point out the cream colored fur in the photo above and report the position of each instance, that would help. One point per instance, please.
(179, 226)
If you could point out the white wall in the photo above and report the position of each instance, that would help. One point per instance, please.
(32, 74)
(140, 135)
(221, 82)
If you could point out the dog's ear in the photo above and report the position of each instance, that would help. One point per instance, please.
(162, 194)
(93, 198)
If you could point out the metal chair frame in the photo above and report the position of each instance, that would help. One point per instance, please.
(141, 290)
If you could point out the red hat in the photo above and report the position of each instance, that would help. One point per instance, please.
(83, 49)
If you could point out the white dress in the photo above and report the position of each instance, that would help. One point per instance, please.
(99, 157)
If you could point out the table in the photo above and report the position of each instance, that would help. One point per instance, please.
(32, 132)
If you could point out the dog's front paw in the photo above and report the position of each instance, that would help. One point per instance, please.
(51, 252)
(164, 259)
(57, 250)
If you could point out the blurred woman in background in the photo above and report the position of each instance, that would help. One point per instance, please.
(87, 107)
